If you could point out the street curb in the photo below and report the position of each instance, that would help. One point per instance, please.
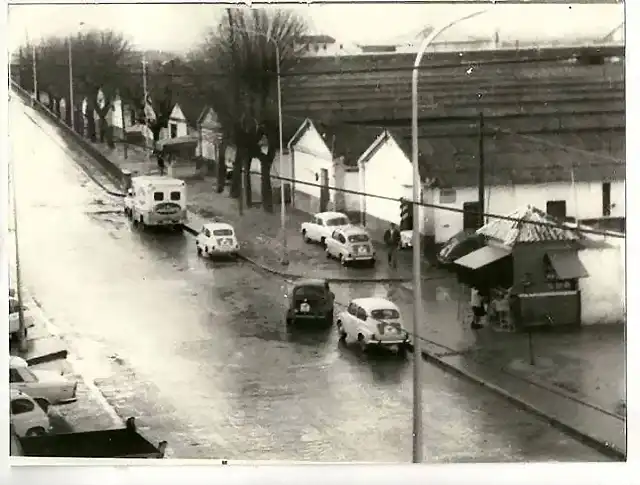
(286, 274)
(606, 449)
(43, 359)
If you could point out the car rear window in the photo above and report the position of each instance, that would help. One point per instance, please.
(386, 314)
(338, 221)
(223, 232)
(175, 195)
(356, 238)
(311, 292)
(158, 196)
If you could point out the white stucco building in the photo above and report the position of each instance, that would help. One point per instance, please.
(579, 184)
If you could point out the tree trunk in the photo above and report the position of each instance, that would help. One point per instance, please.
(265, 183)
(221, 169)
(248, 190)
(91, 122)
(236, 176)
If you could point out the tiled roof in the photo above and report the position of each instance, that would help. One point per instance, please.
(525, 159)
(466, 86)
(543, 229)
(345, 140)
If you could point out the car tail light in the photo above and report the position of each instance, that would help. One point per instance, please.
(75, 389)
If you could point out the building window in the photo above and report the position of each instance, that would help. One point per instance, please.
(557, 208)
(174, 130)
(606, 198)
(554, 283)
(447, 196)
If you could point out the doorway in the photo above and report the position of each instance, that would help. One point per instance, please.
(471, 217)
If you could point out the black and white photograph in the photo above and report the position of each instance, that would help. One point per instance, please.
(317, 233)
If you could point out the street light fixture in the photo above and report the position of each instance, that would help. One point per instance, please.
(417, 277)
(283, 212)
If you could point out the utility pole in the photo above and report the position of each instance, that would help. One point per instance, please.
(22, 332)
(481, 168)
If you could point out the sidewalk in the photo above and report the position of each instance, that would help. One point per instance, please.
(260, 233)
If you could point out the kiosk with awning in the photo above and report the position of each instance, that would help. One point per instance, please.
(531, 260)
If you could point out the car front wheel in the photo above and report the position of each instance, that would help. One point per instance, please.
(342, 335)
(305, 237)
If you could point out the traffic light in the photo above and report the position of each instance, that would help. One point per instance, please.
(406, 215)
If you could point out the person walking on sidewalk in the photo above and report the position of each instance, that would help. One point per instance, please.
(477, 307)
(392, 240)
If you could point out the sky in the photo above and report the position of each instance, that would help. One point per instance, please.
(178, 27)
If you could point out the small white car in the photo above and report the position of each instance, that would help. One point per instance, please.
(29, 416)
(52, 386)
(350, 244)
(320, 228)
(373, 322)
(216, 239)
(406, 239)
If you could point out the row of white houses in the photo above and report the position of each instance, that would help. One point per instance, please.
(381, 166)
(377, 162)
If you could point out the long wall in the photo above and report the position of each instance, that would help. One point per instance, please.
(505, 199)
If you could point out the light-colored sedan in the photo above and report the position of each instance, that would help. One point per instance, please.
(29, 416)
(217, 239)
(373, 322)
(322, 225)
(52, 386)
(350, 244)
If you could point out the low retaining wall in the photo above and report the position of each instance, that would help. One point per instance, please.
(112, 169)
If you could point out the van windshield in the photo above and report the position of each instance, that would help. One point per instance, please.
(223, 232)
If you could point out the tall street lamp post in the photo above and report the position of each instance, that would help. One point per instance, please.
(417, 277)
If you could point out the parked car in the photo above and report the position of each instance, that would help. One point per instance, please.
(216, 239)
(460, 245)
(310, 300)
(373, 322)
(320, 228)
(350, 244)
(29, 416)
(52, 386)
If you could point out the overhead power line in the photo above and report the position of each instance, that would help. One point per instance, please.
(450, 209)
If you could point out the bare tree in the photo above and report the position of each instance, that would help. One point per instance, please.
(99, 62)
(242, 50)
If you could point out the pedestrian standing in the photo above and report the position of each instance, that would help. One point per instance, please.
(392, 240)
(161, 165)
(477, 307)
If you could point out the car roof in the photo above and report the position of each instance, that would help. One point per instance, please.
(310, 282)
(331, 214)
(218, 225)
(159, 180)
(375, 303)
(15, 361)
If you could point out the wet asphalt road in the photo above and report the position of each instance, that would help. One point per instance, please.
(197, 350)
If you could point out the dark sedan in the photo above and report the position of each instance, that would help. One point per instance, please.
(310, 300)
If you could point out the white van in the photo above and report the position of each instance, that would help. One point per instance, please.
(155, 200)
